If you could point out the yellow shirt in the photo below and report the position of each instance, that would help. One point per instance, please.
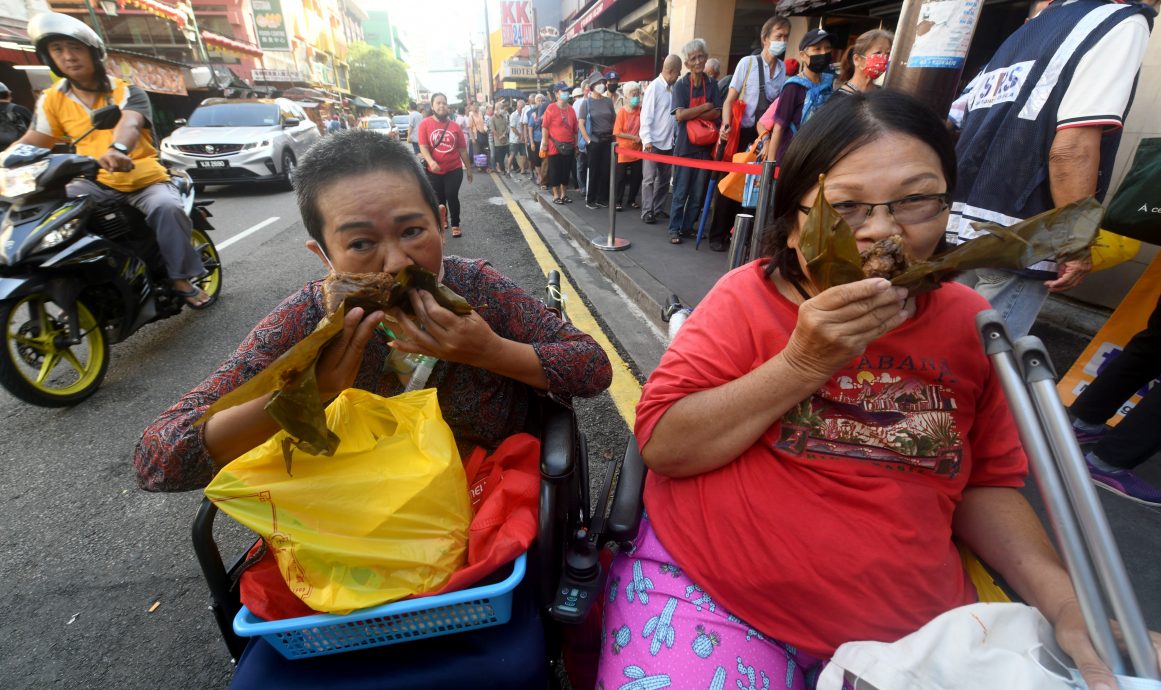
(60, 114)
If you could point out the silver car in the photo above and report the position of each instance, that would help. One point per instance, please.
(229, 141)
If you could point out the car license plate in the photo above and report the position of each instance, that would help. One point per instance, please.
(213, 164)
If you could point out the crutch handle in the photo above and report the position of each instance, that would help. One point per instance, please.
(1034, 361)
(993, 332)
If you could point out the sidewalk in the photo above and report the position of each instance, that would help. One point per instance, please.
(651, 269)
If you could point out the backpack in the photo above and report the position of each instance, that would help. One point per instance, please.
(816, 95)
(13, 125)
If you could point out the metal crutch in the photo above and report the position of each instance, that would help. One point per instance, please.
(1074, 512)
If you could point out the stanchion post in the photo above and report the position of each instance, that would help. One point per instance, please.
(612, 243)
(740, 242)
(765, 188)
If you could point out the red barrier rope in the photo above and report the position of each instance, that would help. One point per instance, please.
(749, 168)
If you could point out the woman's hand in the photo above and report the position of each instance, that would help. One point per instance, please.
(339, 363)
(1072, 636)
(433, 166)
(440, 333)
(836, 325)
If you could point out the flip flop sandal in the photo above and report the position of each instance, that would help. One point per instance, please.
(456, 232)
(558, 202)
(675, 240)
(193, 293)
(566, 200)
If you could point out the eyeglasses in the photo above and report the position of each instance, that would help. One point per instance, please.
(910, 210)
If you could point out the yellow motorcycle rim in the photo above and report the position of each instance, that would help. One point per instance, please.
(45, 362)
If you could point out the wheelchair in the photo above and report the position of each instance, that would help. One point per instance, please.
(569, 557)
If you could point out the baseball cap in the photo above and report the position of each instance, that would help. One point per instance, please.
(578, 92)
(3, 88)
(813, 37)
(560, 86)
(611, 76)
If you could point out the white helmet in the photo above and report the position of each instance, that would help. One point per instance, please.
(51, 25)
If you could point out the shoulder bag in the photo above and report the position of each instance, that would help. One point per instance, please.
(1135, 210)
(700, 132)
(564, 148)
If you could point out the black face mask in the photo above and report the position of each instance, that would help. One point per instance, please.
(819, 63)
(442, 118)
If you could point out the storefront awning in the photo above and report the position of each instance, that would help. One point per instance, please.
(230, 45)
(360, 102)
(815, 7)
(596, 46)
(158, 9)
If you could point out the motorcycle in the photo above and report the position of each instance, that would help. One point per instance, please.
(77, 276)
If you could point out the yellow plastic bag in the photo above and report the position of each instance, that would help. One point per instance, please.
(1110, 249)
(384, 518)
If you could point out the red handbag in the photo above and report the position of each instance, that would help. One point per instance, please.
(700, 132)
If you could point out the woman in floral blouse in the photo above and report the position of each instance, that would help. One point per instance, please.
(368, 207)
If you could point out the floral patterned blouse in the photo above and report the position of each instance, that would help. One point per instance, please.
(482, 408)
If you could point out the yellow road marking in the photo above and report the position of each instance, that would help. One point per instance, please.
(624, 390)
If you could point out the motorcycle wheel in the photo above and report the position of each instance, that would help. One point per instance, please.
(211, 282)
(35, 364)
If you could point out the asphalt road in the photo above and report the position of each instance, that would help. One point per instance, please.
(86, 555)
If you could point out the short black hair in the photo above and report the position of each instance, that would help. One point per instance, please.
(834, 130)
(349, 153)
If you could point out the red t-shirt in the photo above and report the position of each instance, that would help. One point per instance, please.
(836, 525)
(560, 124)
(444, 146)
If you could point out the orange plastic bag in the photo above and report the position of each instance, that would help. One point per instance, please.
(734, 184)
(384, 518)
(505, 490)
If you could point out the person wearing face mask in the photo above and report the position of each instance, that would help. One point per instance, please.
(444, 149)
(804, 93)
(658, 129)
(627, 130)
(865, 61)
(758, 81)
(596, 119)
(559, 143)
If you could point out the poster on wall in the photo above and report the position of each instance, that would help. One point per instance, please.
(270, 25)
(943, 33)
(146, 74)
(516, 27)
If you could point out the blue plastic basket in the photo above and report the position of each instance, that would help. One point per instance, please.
(402, 621)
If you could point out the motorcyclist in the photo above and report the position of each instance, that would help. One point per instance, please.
(131, 171)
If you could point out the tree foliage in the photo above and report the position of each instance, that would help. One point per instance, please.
(376, 74)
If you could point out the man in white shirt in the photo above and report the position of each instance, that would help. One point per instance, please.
(658, 128)
(517, 147)
(1059, 137)
(413, 120)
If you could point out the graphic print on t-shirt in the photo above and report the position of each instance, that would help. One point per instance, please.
(891, 421)
(448, 143)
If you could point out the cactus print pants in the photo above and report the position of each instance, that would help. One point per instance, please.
(661, 630)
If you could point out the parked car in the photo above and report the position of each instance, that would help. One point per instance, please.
(383, 125)
(403, 126)
(230, 141)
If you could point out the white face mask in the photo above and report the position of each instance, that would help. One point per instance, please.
(777, 48)
(601, 89)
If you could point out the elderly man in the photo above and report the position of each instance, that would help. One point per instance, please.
(713, 69)
(757, 82)
(1058, 138)
(658, 129)
(694, 98)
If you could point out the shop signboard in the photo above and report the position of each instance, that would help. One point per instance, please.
(148, 75)
(516, 26)
(270, 25)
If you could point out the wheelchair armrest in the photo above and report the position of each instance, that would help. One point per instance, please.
(625, 515)
(226, 601)
(558, 439)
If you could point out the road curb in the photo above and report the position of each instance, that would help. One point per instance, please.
(643, 289)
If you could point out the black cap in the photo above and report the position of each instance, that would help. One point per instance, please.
(813, 37)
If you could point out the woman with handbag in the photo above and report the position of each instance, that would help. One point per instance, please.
(558, 143)
(597, 117)
(695, 106)
(444, 149)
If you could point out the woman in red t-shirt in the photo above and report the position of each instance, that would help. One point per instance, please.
(444, 148)
(559, 132)
(813, 452)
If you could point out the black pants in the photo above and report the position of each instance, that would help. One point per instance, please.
(628, 182)
(447, 190)
(598, 189)
(498, 161)
(1138, 436)
(726, 209)
(482, 146)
